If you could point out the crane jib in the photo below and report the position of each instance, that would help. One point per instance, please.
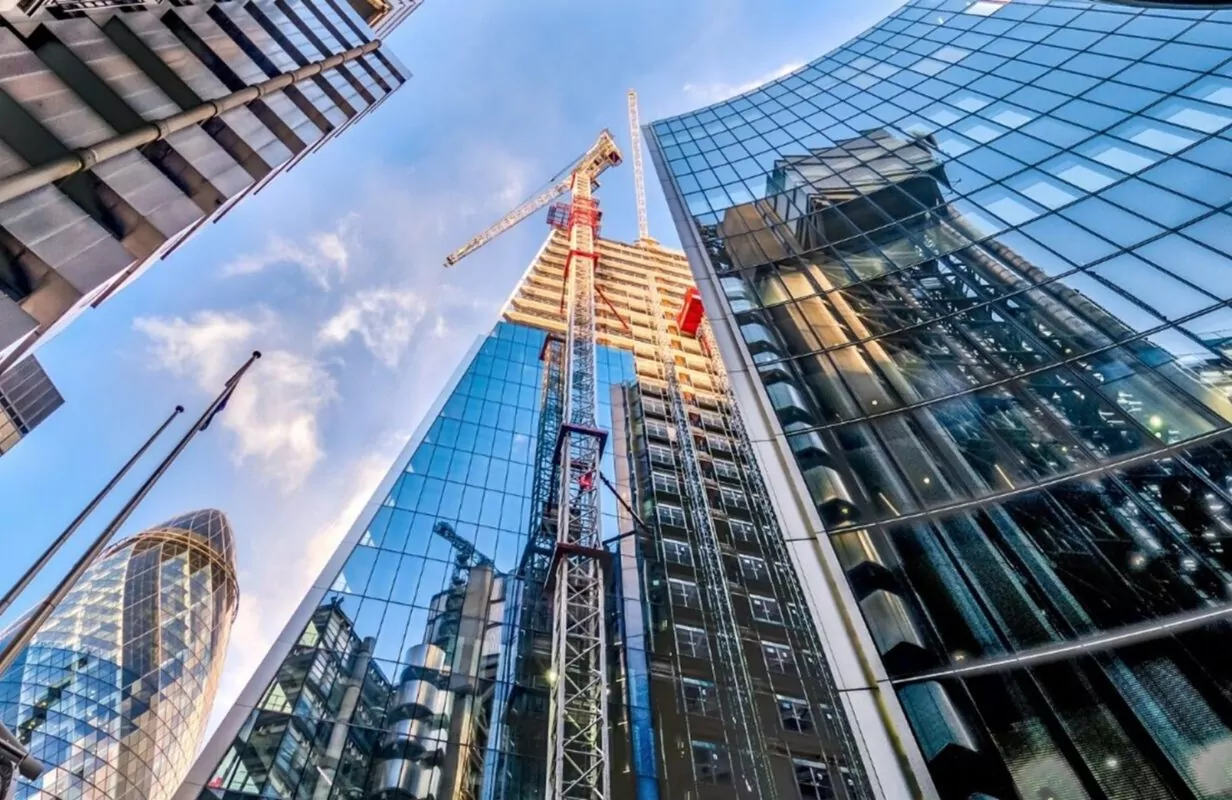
(602, 154)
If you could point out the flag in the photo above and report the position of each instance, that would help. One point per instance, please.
(587, 481)
(223, 404)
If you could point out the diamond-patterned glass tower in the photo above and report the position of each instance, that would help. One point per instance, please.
(114, 691)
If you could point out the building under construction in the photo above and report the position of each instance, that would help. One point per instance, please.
(572, 583)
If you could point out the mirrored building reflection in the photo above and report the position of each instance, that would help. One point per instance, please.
(419, 664)
(398, 666)
(975, 266)
(114, 691)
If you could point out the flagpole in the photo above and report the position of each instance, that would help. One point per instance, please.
(44, 610)
(22, 583)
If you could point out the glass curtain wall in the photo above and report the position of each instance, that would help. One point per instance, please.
(114, 691)
(980, 258)
(401, 683)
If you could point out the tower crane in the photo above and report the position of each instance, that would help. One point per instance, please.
(578, 753)
(467, 556)
(602, 154)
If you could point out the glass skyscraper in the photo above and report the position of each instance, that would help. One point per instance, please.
(113, 692)
(419, 664)
(970, 273)
(395, 666)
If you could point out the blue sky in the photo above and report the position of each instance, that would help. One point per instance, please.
(334, 271)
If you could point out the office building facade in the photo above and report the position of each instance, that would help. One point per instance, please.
(970, 272)
(720, 685)
(741, 688)
(92, 192)
(27, 397)
(419, 585)
(114, 691)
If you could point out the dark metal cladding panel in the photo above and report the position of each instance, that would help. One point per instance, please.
(303, 51)
(361, 77)
(259, 137)
(321, 100)
(155, 35)
(379, 67)
(391, 62)
(295, 36)
(208, 158)
(377, 83)
(149, 192)
(98, 52)
(28, 81)
(338, 79)
(328, 16)
(56, 230)
(284, 62)
(297, 120)
(226, 48)
(222, 45)
(353, 25)
(323, 39)
(257, 35)
(88, 42)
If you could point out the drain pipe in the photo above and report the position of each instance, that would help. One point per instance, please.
(87, 157)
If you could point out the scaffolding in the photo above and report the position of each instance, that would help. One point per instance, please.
(737, 701)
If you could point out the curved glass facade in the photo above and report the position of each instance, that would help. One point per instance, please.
(980, 259)
(114, 691)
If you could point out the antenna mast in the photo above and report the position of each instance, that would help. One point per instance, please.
(639, 175)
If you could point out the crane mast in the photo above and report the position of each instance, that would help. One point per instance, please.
(639, 175)
(578, 752)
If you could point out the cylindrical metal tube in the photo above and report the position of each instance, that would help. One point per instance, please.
(86, 158)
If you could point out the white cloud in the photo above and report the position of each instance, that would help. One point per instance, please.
(421, 324)
(274, 412)
(275, 415)
(324, 257)
(384, 319)
(714, 92)
(512, 175)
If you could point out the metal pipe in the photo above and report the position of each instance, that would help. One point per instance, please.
(66, 584)
(86, 158)
(51, 551)
(346, 710)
